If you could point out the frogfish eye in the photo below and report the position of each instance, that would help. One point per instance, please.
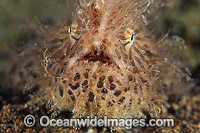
(132, 37)
(70, 30)
(129, 38)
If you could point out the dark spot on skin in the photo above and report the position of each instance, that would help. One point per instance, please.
(73, 98)
(102, 98)
(70, 85)
(135, 90)
(143, 80)
(148, 53)
(130, 77)
(85, 75)
(96, 22)
(90, 96)
(85, 82)
(74, 87)
(110, 79)
(98, 105)
(127, 89)
(139, 101)
(102, 47)
(147, 85)
(81, 41)
(100, 84)
(77, 76)
(64, 81)
(149, 105)
(117, 93)
(121, 100)
(104, 90)
(130, 102)
(84, 88)
(152, 99)
(113, 101)
(77, 85)
(102, 78)
(119, 83)
(124, 106)
(133, 63)
(94, 76)
(70, 92)
(84, 85)
(105, 40)
(61, 91)
(109, 104)
(112, 86)
(141, 88)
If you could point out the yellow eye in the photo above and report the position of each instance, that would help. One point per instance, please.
(72, 31)
(129, 37)
(132, 37)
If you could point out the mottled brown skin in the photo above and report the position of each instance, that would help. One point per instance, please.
(91, 71)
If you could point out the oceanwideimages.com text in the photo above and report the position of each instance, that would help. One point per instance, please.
(127, 123)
